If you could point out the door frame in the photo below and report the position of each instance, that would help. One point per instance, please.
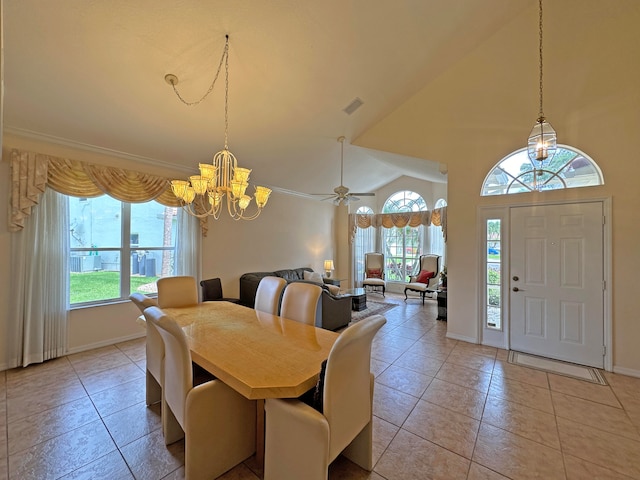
(501, 338)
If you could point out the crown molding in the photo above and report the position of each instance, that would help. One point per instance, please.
(65, 142)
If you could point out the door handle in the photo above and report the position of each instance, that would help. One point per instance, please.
(515, 289)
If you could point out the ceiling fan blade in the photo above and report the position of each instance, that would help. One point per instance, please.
(368, 194)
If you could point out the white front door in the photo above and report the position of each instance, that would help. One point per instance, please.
(557, 282)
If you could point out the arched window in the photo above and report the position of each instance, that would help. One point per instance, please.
(436, 240)
(515, 173)
(402, 246)
(364, 242)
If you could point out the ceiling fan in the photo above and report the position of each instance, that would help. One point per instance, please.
(341, 195)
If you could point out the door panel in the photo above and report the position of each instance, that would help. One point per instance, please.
(557, 305)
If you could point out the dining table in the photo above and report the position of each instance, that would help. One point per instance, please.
(258, 354)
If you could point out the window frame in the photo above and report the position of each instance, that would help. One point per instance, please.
(409, 201)
(125, 250)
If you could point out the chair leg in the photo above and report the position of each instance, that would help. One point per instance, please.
(153, 389)
(405, 294)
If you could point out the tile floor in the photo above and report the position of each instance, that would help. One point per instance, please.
(443, 410)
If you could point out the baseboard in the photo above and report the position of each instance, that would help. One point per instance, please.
(113, 341)
(627, 371)
(455, 336)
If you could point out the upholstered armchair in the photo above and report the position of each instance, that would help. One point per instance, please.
(374, 272)
(427, 278)
(217, 423)
(300, 440)
(153, 345)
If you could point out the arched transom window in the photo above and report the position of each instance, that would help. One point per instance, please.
(515, 173)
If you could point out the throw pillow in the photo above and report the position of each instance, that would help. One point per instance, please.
(374, 273)
(424, 276)
(334, 289)
(312, 276)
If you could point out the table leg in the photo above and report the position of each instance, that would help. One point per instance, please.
(260, 432)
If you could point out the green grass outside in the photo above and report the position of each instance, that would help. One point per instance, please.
(96, 286)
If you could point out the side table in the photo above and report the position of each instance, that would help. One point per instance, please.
(331, 281)
(442, 305)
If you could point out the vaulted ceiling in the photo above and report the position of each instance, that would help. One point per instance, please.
(90, 74)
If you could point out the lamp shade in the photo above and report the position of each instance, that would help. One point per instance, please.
(328, 265)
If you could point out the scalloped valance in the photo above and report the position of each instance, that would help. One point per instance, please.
(437, 217)
(32, 172)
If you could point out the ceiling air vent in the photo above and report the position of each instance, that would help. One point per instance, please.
(355, 104)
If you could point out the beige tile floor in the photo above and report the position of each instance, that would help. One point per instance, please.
(443, 410)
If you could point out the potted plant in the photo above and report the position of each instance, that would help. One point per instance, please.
(443, 278)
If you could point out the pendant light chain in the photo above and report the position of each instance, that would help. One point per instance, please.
(225, 54)
(226, 92)
(540, 52)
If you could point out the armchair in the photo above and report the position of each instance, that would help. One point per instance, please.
(427, 278)
(217, 423)
(300, 441)
(374, 272)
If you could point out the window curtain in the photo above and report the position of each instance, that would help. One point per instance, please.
(32, 171)
(39, 292)
(188, 244)
(365, 242)
(437, 217)
(39, 297)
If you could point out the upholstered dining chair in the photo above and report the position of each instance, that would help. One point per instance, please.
(374, 272)
(300, 440)
(179, 291)
(212, 291)
(217, 423)
(154, 350)
(269, 293)
(301, 302)
(426, 281)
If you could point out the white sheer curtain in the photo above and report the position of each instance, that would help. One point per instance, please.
(365, 242)
(188, 245)
(39, 269)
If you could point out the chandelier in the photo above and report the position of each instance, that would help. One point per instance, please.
(222, 181)
(542, 142)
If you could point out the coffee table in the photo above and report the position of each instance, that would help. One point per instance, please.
(358, 298)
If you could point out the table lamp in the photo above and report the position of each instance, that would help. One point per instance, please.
(328, 266)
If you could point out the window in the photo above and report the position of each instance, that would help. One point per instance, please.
(402, 246)
(117, 248)
(515, 173)
(365, 242)
(494, 274)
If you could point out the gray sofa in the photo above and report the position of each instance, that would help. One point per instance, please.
(336, 310)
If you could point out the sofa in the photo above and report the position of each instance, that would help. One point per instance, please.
(336, 310)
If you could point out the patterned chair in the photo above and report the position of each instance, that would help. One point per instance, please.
(427, 278)
(374, 272)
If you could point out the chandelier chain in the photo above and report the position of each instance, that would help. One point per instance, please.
(540, 53)
(225, 54)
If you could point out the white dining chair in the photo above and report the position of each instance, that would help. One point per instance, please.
(300, 440)
(178, 291)
(269, 293)
(217, 423)
(153, 349)
(301, 302)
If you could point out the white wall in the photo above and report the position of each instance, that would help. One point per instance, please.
(484, 107)
(291, 232)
